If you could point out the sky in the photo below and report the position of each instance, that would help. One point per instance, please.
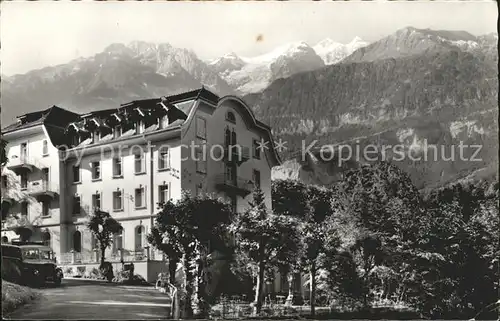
(37, 34)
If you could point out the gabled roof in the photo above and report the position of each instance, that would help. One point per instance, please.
(51, 117)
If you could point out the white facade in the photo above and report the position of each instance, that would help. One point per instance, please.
(108, 173)
(30, 181)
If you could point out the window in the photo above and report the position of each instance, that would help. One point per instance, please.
(139, 163)
(96, 170)
(256, 149)
(201, 163)
(24, 181)
(93, 241)
(96, 136)
(4, 181)
(163, 196)
(230, 173)
(234, 203)
(117, 131)
(24, 151)
(139, 127)
(117, 201)
(24, 208)
(227, 137)
(77, 204)
(75, 140)
(117, 167)
(96, 201)
(45, 176)
(233, 138)
(77, 241)
(45, 150)
(45, 209)
(46, 238)
(76, 173)
(139, 238)
(230, 117)
(117, 242)
(199, 189)
(163, 121)
(256, 179)
(163, 159)
(201, 128)
(140, 197)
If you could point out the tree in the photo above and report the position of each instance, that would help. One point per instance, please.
(103, 226)
(312, 206)
(267, 240)
(172, 250)
(189, 230)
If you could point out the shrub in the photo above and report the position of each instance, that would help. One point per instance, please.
(68, 270)
(13, 296)
(123, 277)
(93, 274)
(81, 270)
(106, 270)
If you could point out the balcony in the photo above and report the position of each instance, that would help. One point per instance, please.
(236, 154)
(238, 186)
(20, 165)
(43, 190)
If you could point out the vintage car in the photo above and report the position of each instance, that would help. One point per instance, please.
(35, 262)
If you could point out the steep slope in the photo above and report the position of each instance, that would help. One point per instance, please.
(430, 95)
(412, 41)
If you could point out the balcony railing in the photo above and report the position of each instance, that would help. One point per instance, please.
(111, 256)
(23, 163)
(43, 190)
(236, 154)
(237, 186)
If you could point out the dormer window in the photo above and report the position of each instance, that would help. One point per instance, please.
(96, 136)
(163, 122)
(117, 131)
(230, 117)
(139, 127)
(75, 140)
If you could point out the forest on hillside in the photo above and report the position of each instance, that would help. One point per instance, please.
(371, 240)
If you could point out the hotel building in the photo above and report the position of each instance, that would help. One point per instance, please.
(125, 161)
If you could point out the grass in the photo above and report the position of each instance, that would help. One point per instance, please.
(14, 296)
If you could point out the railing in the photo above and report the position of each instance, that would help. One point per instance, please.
(114, 257)
(236, 153)
(16, 161)
(238, 185)
(42, 187)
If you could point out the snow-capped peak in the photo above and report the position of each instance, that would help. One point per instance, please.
(356, 40)
(333, 52)
(289, 49)
(230, 56)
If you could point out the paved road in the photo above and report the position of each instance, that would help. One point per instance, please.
(85, 299)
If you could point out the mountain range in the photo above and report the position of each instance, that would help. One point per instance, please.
(411, 87)
(121, 73)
